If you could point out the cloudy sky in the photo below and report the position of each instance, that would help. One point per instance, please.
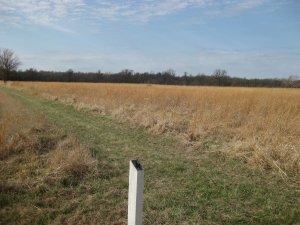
(248, 38)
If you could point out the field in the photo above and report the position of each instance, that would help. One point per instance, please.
(216, 155)
(262, 126)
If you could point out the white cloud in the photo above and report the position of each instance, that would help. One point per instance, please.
(244, 5)
(57, 13)
(40, 12)
(143, 11)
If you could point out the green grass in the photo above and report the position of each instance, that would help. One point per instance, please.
(182, 186)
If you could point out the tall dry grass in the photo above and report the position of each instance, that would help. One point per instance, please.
(2, 137)
(260, 125)
(23, 132)
(71, 157)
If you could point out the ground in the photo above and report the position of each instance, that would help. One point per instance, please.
(182, 185)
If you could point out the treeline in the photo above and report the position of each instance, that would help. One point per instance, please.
(218, 78)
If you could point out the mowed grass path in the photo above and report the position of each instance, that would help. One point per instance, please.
(182, 186)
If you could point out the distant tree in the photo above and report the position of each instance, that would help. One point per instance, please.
(9, 62)
(127, 72)
(32, 74)
(220, 76)
(185, 78)
(219, 73)
(70, 75)
(171, 72)
(99, 76)
(291, 81)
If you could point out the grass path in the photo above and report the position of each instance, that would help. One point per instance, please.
(181, 186)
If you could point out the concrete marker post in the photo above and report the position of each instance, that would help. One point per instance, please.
(135, 193)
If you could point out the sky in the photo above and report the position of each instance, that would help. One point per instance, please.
(247, 38)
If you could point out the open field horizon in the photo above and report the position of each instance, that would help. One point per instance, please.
(205, 94)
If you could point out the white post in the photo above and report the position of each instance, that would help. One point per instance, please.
(135, 193)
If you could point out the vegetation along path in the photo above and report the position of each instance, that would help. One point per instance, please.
(181, 186)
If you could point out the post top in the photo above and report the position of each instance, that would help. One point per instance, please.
(137, 164)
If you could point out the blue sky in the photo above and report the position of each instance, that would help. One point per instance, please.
(248, 38)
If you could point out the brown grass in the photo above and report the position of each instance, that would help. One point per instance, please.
(30, 172)
(23, 132)
(36, 159)
(259, 125)
(3, 125)
(65, 155)
(2, 135)
(72, 158)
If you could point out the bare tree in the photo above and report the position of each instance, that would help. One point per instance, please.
(219, 73)
(8, 62)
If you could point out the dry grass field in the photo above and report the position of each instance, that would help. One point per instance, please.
(36, 158)
(22, 132)
(258, 125)
(68, 163)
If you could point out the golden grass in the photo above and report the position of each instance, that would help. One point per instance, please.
(260, 125)
(64, 155)
(23, 132)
